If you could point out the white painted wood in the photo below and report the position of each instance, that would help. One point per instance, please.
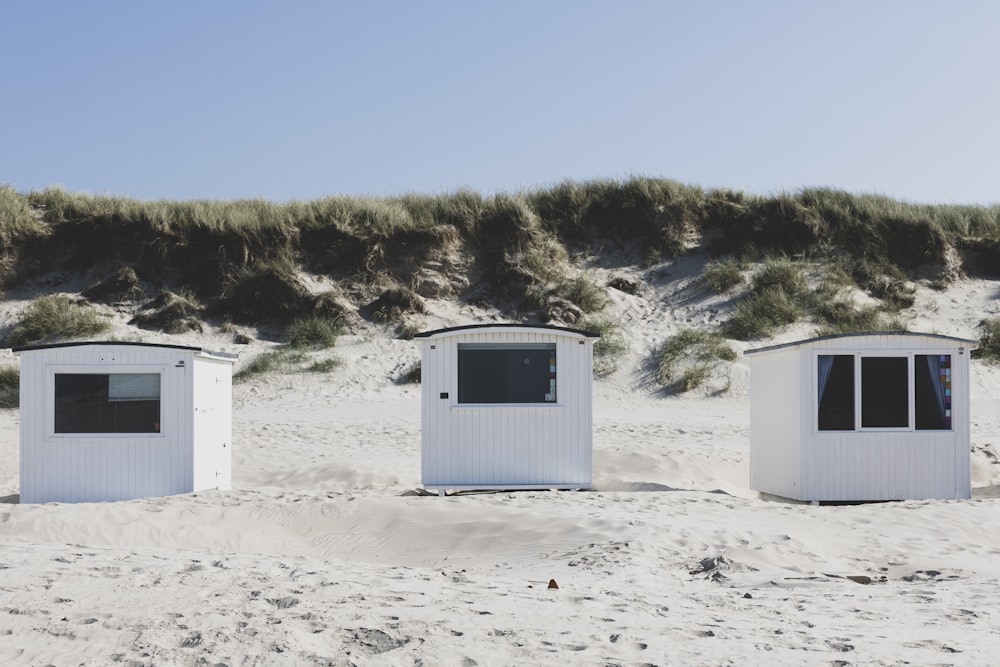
(775, 456)
(863, 464)
(476, 446)
(195, 415)
(213, 423)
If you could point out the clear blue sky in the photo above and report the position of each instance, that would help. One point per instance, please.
(217, 99)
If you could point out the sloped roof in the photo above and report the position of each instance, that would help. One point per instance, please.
(501, 325)
(80, 343)
(866, 334)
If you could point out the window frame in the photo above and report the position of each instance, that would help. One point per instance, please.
(948, 397)
(553, 347)
(95, 369)
(858, 399)
(910, 356)
(854, 396)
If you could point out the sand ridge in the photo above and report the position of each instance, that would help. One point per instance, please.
(326, 553)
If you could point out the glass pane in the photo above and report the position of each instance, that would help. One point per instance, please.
(133, 386)
(932, 391)
(835, 391)
(83, 404)
(507, 374)
(885, 392)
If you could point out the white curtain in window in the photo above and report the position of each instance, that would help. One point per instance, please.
(133, 386)
(825, 366)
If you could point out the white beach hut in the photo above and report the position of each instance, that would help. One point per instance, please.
(105, 421)
(861, 417)
(506, 406)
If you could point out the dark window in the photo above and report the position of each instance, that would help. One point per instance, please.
(836, 392)
(506, 373)
(107, 403)
(932, 391)
(885, 392)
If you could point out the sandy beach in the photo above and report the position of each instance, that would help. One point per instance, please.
(327, 552)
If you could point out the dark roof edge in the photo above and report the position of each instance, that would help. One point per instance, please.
(79, 343)
(502, 325)
(860, 334)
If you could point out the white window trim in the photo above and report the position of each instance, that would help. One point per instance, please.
(910, 356)
(525, 407)
(100, 369)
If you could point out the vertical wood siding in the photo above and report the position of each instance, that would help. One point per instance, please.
(775, 452)
(212, 436)
(481, 446)
(862, 465)
(93, 468)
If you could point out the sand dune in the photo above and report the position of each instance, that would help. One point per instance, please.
(325, 552)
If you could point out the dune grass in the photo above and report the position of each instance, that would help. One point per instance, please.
(171, 313)
(411, 375)
(394, 303)
(286, 359)
(686, 360)
(10, 387)
(55, 318)
(314, 331)
(779, 273)
(722, 276)
(639, 208)
(240, 256)
(283, 359)
(779, 295)
(839, 317)
(408, 330)
(610, 348)
(16, 217)
(585, 293)
(989, 341)
(761, 315)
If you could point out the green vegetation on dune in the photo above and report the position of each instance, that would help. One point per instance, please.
(304, 335)
(989, 341)
(610, 348)
(686, 360)
(281, 359)
(659, 212)
(722, 276)
(778, 295)
(243, 259)
(52, 318)
(585, 293)
(16, 217)
(860, 320)
(314, 332)
(412, 375)
(761, 314)
(10, 387)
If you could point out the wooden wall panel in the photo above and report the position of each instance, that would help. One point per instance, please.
(92, 468)
(864, 464)
(483, 446)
